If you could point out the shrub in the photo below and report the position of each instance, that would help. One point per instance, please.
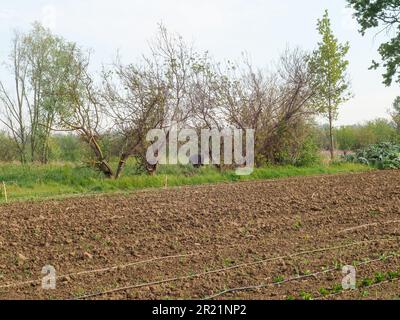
(381, 156)
(68, 148)
(305, 153)
(8, 148)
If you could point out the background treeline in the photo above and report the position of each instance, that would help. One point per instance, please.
(53, 108)
(70, 147)
(108, 114)
(359, 136)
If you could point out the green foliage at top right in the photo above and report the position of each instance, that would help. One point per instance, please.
(382, 14)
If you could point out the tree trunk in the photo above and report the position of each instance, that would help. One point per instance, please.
(105, 168)
(331, 141)
(44, 150)
(22, 157)
(101, 163)
(121, 165)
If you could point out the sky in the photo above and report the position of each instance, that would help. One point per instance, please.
(226, 28)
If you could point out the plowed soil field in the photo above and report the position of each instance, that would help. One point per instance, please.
(283, 239)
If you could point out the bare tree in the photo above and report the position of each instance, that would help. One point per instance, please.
(135, 101)
(81, 108)
(269, 103)
(14, 106)
(150, 95)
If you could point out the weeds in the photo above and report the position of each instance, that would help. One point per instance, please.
(306, 295)
(362, 284)
(297, 225)
(228, 262)
(278, 279)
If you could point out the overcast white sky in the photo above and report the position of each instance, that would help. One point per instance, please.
(262, 28)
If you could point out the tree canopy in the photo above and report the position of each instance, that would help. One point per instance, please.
(383, 14)
(328, 63)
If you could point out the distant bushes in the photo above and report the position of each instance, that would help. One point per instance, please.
(381, 156)
(360, 136)
(62, 148)
(305, 153)
(8, 149)
(375, 143)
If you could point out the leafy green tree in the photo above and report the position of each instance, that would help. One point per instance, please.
(383, 14)
(68, 147)
(49, 66)
(361, 136)
(329, 65)
(40, 63)
(382, 130)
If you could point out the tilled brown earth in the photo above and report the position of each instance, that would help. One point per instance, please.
(284, 239)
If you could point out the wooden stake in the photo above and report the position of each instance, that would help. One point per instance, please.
(166, 182)
(5, 191)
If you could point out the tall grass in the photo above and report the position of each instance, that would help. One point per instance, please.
(54, 180)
